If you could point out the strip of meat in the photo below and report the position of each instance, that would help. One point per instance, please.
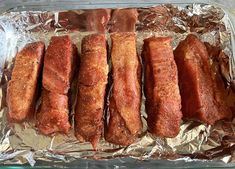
(158, 18)
(124, 122)
(123, 20)
(92, 81)
(97, 20)
(53, 113)
(201, 99)
(89, 20)
(60, 59)
(57, 70)
(163, 101)
(22, 88)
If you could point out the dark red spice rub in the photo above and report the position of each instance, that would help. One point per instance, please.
(163, 101)
(92, 81)
(22, 89)
(201, 97)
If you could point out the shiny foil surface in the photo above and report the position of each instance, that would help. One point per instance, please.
(21, 143)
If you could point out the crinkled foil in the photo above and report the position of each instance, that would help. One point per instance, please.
(21, 143)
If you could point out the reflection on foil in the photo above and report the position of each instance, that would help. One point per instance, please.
(21, 143)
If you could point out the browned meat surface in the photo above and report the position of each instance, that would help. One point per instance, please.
(163, 101)
(22, 88)
(53, 115)
(89, 20)
(60, 60)
(57, 70)
(123, 20)
(201, 97)
(92, 81)
(124, 122)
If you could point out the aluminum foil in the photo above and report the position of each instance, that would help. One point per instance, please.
(21, 143)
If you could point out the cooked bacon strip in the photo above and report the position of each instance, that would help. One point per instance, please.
(201, 97)
(124, 122)
(22, 88)
(57, 70)
(123, 20)
(57, 74)
(92, 81)
(163, 101)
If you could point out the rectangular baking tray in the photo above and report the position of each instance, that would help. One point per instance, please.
(123, 163)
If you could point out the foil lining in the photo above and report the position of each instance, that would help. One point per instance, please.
(21, 143)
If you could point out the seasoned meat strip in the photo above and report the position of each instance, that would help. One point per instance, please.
(92, 81)
(53, 115)
(94, 20)
(163, 101)
(59, 65)
(124, 122)
(123, 20)
(57, 70)
(201, 97)
(22, 88)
